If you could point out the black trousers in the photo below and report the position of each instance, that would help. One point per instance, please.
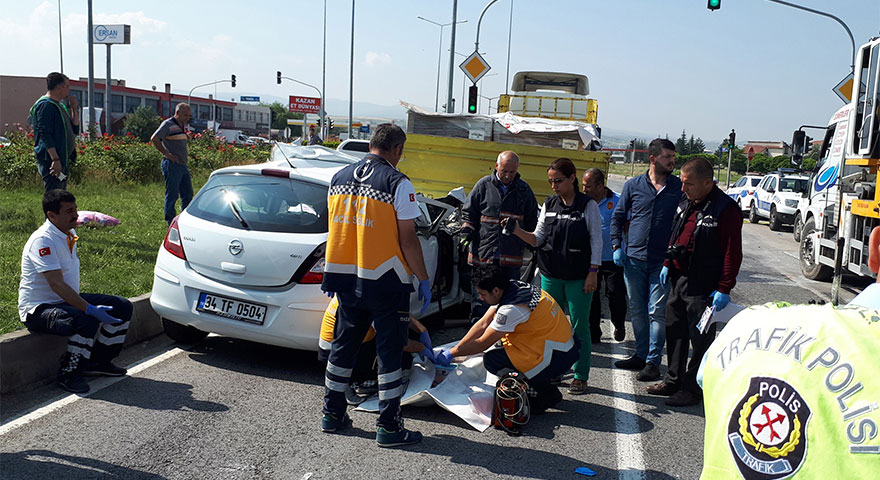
(615, 294)
(683, 312)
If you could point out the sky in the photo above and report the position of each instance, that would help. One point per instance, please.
(656, 67)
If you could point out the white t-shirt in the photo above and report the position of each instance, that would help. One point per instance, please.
(405, 203)
(47, 249)
(508, 317)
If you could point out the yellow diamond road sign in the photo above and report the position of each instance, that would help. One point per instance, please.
(474, 67)
(844, 88)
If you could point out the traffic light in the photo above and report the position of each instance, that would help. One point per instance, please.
(713, 4)
(732, 140)
(329, 123)
(233, 80)
(279, 78)
(472, 99)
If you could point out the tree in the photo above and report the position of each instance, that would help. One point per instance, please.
(681, 144)
(280, 114)
(639, 144)
(142, 123)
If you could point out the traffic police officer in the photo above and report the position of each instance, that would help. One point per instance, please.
(372, 252)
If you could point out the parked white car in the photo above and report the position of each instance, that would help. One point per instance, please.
(743, 191)
(354, 147)
(246, 257)
(777, 196)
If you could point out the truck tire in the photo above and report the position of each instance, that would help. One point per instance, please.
(810, 269)
(182, 333)
(798, 226)
(753, 214)
(775, 224)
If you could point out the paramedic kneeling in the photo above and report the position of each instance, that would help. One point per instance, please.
(535, 332)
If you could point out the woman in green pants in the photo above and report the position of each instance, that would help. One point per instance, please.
(569, 242)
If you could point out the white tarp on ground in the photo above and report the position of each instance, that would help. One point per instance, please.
(467, 391)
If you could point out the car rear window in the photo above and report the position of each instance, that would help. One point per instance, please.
(268, 204)
(357, 147)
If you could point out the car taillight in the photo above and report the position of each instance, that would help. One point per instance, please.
(172, 241)
(315, 274)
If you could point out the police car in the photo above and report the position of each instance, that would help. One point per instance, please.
(743, 191)
(246, 257)
(776, 197)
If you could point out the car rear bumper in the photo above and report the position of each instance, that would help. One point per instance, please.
(293, 312)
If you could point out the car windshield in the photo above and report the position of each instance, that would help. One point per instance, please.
(262, 203)
(313, 156)
(792, 184)
(756, 181)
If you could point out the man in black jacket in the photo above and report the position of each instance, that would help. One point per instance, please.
(502, 194)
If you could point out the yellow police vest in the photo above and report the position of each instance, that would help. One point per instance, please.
(363, 249)
(532, 343)
(328, 323)
(792, 392)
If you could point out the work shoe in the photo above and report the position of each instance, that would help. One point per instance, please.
(352, 398)
(104, 368)
(544, 400)
(577, 387)
(663, 389)
(73, 383)
(631, 363)
(556, 380)
(367, 387)
(683, 398)
(396, 438)
(619, 334)
(331, 424)
(650, 373)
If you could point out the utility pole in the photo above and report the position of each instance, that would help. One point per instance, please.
(450, 107)
(91, 123)
(60, 44)
(509, 31)
(324, 71)
(730, 154)
(351, 75)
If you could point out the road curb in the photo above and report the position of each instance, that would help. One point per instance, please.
(29, 360)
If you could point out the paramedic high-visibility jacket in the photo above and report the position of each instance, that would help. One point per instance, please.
(530, 346)
(363, 249)
(792, 392)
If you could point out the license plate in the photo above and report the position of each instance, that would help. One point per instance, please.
(230, 308)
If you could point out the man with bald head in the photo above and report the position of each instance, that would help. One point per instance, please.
(170, 139)
(501, 194)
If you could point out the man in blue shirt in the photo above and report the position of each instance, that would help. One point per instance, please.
(593, 185)
(647, 205)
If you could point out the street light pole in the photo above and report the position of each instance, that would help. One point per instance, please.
(324, 71)
(509, 31)
(213, 100)
(310, 86)
(439, 57)
(351, 75)
(60, 44)
(449, 106)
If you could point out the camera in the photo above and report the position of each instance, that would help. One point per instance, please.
(509, 227)
(676, 252)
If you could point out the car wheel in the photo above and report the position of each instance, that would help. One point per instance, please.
(797, 227)
(774, 219)
(810, 268)
(739, 203)
(753, 214)
(182, 333)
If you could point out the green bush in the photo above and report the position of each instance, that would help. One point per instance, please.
(142, 123)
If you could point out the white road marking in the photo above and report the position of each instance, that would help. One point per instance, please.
(97, 384)
(792, 255)
(630, 455)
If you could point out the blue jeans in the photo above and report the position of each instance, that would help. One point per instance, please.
(647, 307)
(177, 184)
(51, 182)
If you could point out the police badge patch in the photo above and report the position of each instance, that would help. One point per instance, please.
(501, 318)
(767, 432)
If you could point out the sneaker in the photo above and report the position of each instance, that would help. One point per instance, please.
(352, 398)
(367, 387)
(545, 400)
(663, 389)
(577, 387)
(104, 368)
(631, 363)
(556, 380)
(331, 424)
(619, 334)
(650, 373)
(396, 438)
(683, 398)
(73, 383)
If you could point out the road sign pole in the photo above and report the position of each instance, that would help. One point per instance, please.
(107, 118)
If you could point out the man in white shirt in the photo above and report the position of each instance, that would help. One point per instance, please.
(49, 299)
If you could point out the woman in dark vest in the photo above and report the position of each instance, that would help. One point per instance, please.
(569, 242)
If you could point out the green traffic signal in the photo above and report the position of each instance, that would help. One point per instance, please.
(713, 4)
(472, 99)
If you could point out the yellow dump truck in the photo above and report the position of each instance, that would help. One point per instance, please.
(546, 117)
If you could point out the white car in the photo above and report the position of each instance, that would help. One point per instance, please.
(246, 257)
(743, 191)
(354, 147)
(776, 197)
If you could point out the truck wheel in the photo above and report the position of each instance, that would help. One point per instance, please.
(797, 227)
(753, 214)
(810, 269)
(774, 219)
(182, 333)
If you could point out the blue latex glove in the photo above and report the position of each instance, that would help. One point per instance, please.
(329, 294)
(443, 357)
(100, 312)
(719, 300)
(425, 339)
(618, 257)
(425, 293)
(664, 275)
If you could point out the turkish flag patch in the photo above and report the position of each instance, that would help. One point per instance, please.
(44, 251)
(412, 197)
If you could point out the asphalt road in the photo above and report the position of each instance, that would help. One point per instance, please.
(232, 409)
